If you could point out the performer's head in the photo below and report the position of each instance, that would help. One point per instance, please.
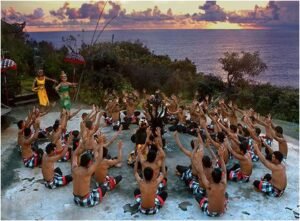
(40, 73)
(63, 76)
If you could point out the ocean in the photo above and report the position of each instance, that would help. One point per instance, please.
(279, 49)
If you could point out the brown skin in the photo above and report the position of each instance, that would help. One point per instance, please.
(279, 179)
(82, 175)
(49, 160)
(215, 191)
(130, 106)
(103, 166)
(188, 153)
(180, 115)
(218, 145)
(159, 162)
(148, 188)
(55, 136)
(245, 160)
(282, 144)
(26, 142)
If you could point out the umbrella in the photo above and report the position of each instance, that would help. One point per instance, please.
(7, 64)
(75, 58)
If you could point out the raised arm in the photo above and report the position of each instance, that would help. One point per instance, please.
(223, 166)
(268, 164)
(119, 159)
(199, 168)
(181, 147)
(208, 135)
(98, 159)
(136, 174)
(235, 154)
(114, 137)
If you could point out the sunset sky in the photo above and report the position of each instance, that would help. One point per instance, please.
(78, 15)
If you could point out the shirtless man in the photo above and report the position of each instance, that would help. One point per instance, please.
(101, 173)
(243, 170)
(275, 184)
(54, 177)
(31, 158)
(181, 125)
(56, 137)
(268, 128)
(219, 143)
(216, 201)
(82, 175)
(22, 124)
(189, 174)
(146, 196)
(115, 113)
(282, 144)
(131, 104)
(155, 159)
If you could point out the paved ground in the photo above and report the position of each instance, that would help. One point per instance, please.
(24, 197)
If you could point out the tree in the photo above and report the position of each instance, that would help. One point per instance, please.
(238, 65)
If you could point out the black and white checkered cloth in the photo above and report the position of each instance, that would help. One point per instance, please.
(7, 64)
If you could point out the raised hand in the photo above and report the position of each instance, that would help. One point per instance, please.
(120, 145)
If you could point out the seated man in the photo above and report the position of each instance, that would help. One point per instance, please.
(31, 158)
(146, 196)
(275, 184)
(216, 201)
(101, 172)
(155, 159)
(82, 178)
(187, 174)
(243, 170)
(54, 177)
(181, 125)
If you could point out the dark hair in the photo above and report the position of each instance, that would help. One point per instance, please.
(50, 147)
(278, 155)
(257, 131)
(20, 123)
(192, 144)
(244, 146)
(85, 159)
(181, 106)
(55, 126)
(89, 124)
(246, 132)
(206, 161)
(75, 133)
(105, 152)
(252, 118)
(27, 132)
(233, 128)
(216, 175)
(221, 137)
(151, 155)
(84, 115)
(148, 173)
(279, 129)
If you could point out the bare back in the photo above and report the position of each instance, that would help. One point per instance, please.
(216, 197)
(81, 181)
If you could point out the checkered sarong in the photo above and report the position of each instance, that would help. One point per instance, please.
(204, 207)
(32, 161)
(195, 187)
(187, 175)
(268, 188)
(159, 202)
(91, 199)
(237, 175)
(58, 180)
